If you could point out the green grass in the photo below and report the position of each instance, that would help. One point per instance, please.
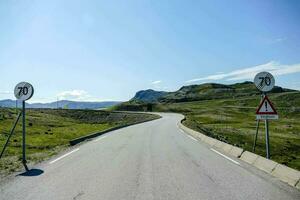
(49, 131)
(227, 112)
(233, 121)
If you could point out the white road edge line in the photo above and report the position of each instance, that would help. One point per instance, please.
(192, 138)
(57, 159)
(100, 138)
(188, 135)
(235, 162)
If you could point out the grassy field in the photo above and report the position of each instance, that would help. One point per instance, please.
(49, 131)
(233, 121)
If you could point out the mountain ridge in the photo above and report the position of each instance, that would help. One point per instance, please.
(204, 91)
(148, 95)
(61, 104)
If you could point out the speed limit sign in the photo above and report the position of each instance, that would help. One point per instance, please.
(264, 81)
(23, 91)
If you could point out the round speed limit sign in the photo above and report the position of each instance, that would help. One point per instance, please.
(264, 81)
(23, 91)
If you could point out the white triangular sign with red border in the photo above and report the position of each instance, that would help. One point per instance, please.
(266, 108)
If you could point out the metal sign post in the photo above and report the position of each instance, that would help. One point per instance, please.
(257, 128)
(264, 81)
(24, 91)
(267, 138)
(23, 134)
(256, 133)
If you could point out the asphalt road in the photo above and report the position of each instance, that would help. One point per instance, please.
(154, 160)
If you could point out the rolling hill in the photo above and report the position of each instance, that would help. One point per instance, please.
(227, 113)
(207, 91)
(148, 95)
(202, 92)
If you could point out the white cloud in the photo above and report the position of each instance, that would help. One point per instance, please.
(155, 82)
(273, 40)
(280, 39)
(6, 92)
(80, 95)
(248, 73)
(75, 95)
(277, 40)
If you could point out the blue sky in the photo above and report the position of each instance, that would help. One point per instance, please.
(107, 50)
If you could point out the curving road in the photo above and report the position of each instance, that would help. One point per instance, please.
(154, 160)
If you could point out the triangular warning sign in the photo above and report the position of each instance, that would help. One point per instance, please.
(266, 108)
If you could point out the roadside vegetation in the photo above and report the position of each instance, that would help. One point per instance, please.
(49, 131)
(233, 121)
(229, 115)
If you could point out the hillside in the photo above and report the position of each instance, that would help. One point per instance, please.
(8, 103)
(227, 112)
(207, 91)
(148, 95)
(202, 92)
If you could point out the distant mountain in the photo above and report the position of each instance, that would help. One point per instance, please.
(207, 91)
(8, 103)
(202, 92)
(61, 104)
(148, 95)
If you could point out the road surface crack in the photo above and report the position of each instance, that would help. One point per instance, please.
(78, 195)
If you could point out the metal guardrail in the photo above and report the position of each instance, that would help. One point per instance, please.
(96, 134)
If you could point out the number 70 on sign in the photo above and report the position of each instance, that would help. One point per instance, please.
(264, 81)
(23, 91)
